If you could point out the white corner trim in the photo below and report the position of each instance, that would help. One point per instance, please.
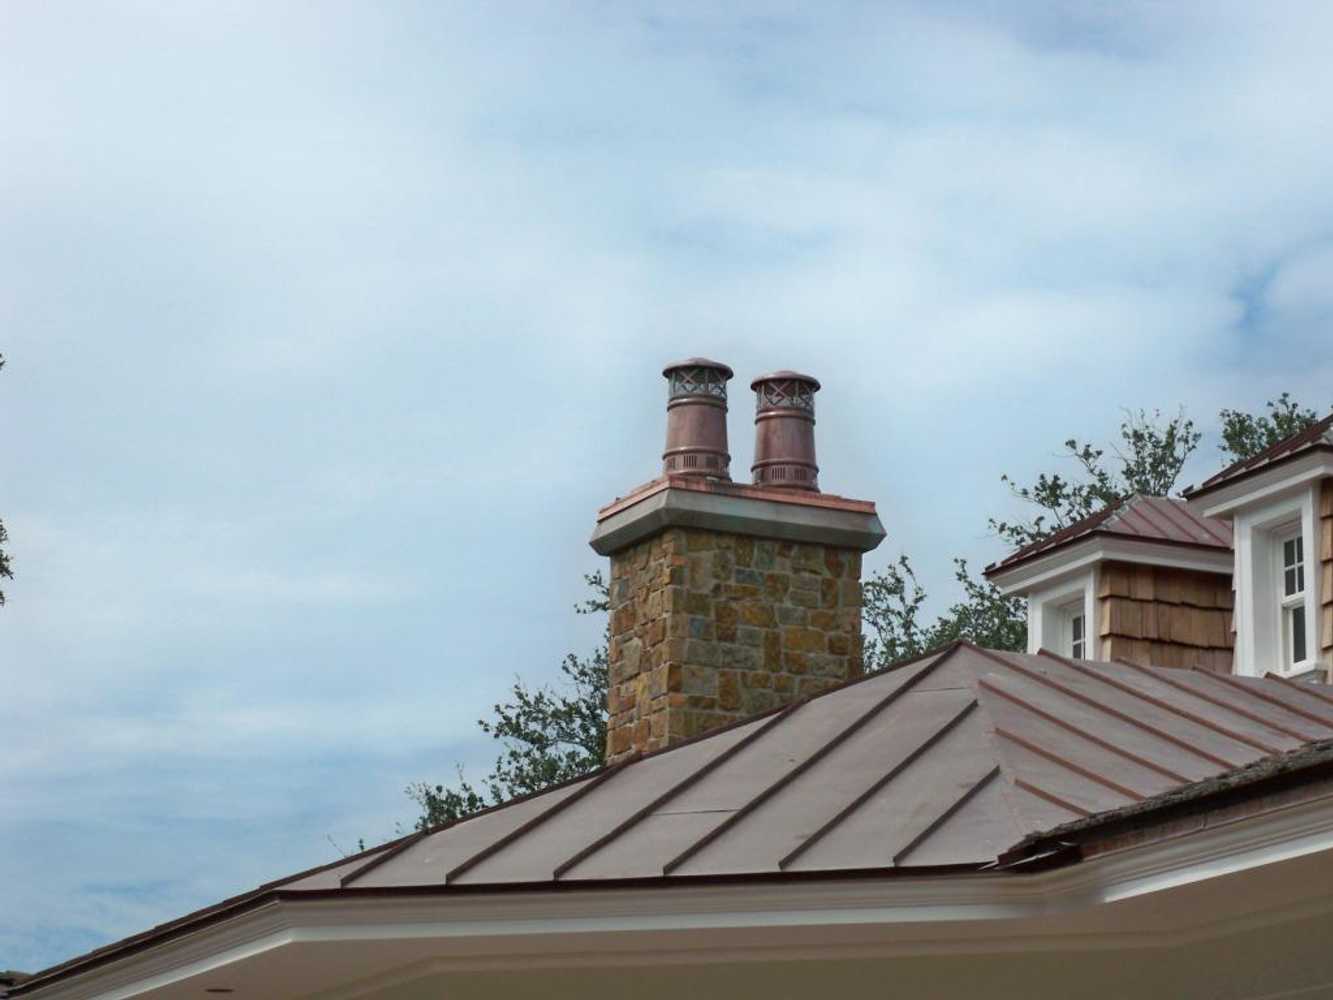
(537, 929)
(1258, 624)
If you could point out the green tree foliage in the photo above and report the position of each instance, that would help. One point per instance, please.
(548, 735)
(5, 570)
(891, 603)
(1246, 434)
(1147, 459)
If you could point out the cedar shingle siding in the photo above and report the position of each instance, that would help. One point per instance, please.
(1168, 617)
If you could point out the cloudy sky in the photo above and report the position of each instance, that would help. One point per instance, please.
(329, 326)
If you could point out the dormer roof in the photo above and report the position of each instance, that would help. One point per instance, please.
(1317, 437)
(1139, 518)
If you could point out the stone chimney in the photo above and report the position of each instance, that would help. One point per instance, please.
(729, 599)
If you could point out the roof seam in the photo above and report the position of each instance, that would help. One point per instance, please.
(524, 828)
(1094, 740)
(382, 857)
(1304, 688)
(1165, 706)
(943, 817)
(877, 785)
(1051, 797)
(675, 790)
(1236, 685)
(804, 766)
(1115, 713)
(1243, 713)
(1069, 765)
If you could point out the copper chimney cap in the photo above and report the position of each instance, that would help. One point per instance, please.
(784, 431)
(696, 441)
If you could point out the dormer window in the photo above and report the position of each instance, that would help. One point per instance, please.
(1278, 593)
(1292, 548)
(1076, 632)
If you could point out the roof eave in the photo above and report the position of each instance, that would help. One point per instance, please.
(1223, 497)
(1049, 566)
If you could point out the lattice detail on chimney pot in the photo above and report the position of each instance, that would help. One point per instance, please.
(697, 419)
(784, 431)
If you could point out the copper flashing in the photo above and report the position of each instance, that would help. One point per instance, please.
(699, 484)
(710, 504)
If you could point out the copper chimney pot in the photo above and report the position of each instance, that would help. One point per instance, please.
(696, 440)
(784, 431)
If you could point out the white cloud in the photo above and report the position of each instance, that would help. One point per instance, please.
(329, 327)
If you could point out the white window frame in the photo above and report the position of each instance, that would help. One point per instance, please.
(1262, 607)
(1051, 611)
(1288, 604)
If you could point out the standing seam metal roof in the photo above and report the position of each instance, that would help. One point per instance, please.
(1317, 435)
(1164, 520)
(946, 760)
(943, 762)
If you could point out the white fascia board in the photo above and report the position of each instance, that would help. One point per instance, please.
(1270, 483)
(1051, 570)
(717, 922)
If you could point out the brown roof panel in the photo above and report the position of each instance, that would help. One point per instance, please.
(1163, 520)
(784, 822)
(883, 826)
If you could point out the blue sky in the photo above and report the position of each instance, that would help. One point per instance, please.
(329, 327)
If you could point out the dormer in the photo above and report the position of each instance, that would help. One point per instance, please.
(1147, 580)
(1280, 506)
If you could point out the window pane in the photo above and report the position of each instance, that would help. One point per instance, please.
(1078, 628)
(1289, 552)
(1300, 579)
(1299, 540)
(1289, 583)
(1297, 618)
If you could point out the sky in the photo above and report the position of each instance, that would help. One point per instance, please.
(329, 326)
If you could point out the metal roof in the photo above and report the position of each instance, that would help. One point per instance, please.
(1163, 520)
(944, 761)
(1318, 435)
(941, 763)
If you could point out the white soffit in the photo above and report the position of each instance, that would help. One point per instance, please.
(1050, 569)
(1271, 482)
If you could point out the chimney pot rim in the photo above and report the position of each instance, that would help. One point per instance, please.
(698, 363)
(783, 376)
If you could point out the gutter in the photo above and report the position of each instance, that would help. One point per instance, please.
(1269, 783)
